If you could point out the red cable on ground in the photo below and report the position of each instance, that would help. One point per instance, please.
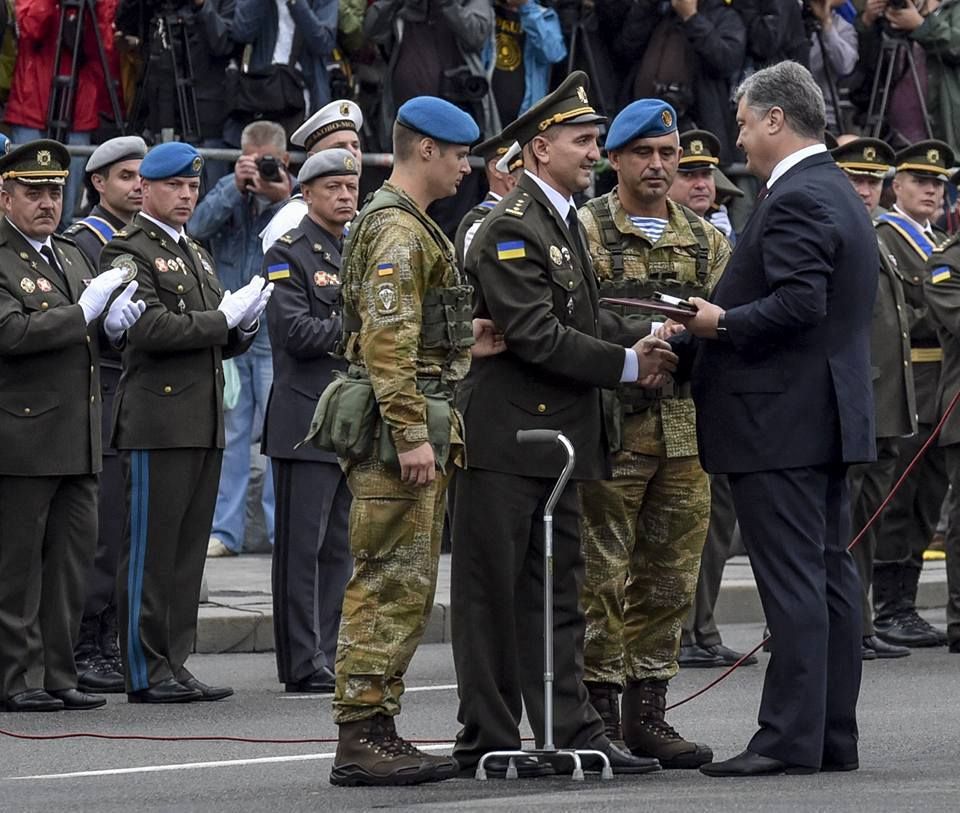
(330, 740)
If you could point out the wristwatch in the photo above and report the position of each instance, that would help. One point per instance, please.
(722, 333)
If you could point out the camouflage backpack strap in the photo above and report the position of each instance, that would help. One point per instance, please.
(609, 234)
(703, 245)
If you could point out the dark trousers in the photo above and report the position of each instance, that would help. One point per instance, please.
(796, 527)
(497, 614)
(700, 626)
(48, 533)
(952, 545)
(910, 520)
(101, 579)
(311, 564)
(171, 494)
(869, 484)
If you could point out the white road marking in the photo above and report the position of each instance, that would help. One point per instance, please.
(192, 766)
(440, 688)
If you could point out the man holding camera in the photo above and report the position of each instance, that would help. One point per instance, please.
(231, 216)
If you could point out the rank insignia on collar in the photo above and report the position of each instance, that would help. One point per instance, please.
(317, 248)
(24, 255)
(44, 285)
(285, 238)
(28, 285)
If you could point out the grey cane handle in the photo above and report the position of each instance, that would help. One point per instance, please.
(537, 435)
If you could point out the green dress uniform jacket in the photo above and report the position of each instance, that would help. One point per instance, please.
(171, 391)
(942, 288)
(49, 368)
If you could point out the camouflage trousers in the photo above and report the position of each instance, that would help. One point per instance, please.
(643, 533)
(395, 535)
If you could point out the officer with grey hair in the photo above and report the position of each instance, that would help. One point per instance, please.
(781, 378)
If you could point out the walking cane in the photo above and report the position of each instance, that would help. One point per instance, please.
(549, 752)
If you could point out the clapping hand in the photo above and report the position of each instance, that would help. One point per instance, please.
(487, 340)
(123, 313)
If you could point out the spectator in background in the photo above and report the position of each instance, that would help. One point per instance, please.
(839, 39)
(301, 33)
(434, 48)
(231, 217)
(686, 52)
(775, 32)
(27, 106)
(528, 41)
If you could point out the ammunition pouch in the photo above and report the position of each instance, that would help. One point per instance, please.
(447, 319)
(440, 417)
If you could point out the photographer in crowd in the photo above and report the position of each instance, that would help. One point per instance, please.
(231, 217)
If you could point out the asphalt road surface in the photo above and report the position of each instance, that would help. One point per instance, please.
(910, 749)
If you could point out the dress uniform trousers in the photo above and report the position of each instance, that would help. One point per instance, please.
(49, 531)
(171, 495)
(497, 614)
(952, 545)
(311, 564)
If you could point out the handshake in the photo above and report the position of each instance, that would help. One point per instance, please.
(243, 308)
(655, 361)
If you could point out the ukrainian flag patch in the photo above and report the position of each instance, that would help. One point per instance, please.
(278, 271)
(940, 274)
(514, 250)
(385, 269)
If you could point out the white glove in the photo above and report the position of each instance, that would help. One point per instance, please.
(256, 308)
(94, 299)
(123, 313)
(235, 306)
(721, 220)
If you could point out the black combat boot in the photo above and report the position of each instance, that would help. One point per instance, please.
(370, 752)
(110, 639)
(94, 673)
(605, 699)
(648, 734)
(902, 624)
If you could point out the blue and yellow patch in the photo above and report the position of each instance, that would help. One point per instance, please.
(385, 269)
(514, 250)
(278, 271)
(940, 274)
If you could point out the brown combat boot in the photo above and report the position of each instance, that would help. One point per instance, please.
(370, 752)
(648, 734)
(605, 699)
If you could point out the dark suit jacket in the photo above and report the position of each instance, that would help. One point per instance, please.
(942, 288)
(547, 306)
(49, 371)
(304, 320)
(171, 389)
(792, 387)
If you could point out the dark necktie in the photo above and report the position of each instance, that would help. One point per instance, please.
(51, 259)
(762, 193)
(182, 242)
(573, 225)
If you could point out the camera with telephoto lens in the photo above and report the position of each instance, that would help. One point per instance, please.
(461, 85)
(269, 168)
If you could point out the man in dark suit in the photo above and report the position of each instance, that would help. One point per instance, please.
(781, 380)
(311, 550)
(168, 424)
(534, 278)
(50, 440)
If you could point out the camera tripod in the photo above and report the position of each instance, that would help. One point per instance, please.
(891, 49)
(74, 15)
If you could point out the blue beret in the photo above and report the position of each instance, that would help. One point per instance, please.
(644, 118)
(172, 159)
(4, 144)
(438, 119)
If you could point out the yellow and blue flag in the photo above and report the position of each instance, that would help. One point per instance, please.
(278, 271)
(940, 274)
(513, 250)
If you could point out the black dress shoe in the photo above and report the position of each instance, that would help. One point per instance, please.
(32, 700)
(955, 646)
(74, 700)
(166, 691)
(695, 656)
(624, 762)
(751, 764)
(866, 653)
(206, 692)
(496, 768)
(729, 657)
(320, 682)
(839, 767)
(881, 649)
(910, 629)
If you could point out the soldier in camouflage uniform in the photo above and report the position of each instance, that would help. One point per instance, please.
(644, 529)
(399, 280)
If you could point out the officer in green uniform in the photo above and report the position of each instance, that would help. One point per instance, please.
(168, 424)
(112, 179)
(407, 335)
(535, 280)
(908, 239)
(503, 164)
(866, 162)
(49, 430)
(942, 287)
(649, 521)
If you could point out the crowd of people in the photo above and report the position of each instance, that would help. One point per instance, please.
(383, 355)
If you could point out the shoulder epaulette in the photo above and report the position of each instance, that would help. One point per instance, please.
(63, 238)
(519, 206)
(129, 230)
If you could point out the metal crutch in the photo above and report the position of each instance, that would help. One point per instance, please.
(549, 753)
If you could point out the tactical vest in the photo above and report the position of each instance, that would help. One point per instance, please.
(447, 313)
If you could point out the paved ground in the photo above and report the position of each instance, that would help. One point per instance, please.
(909, 750)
